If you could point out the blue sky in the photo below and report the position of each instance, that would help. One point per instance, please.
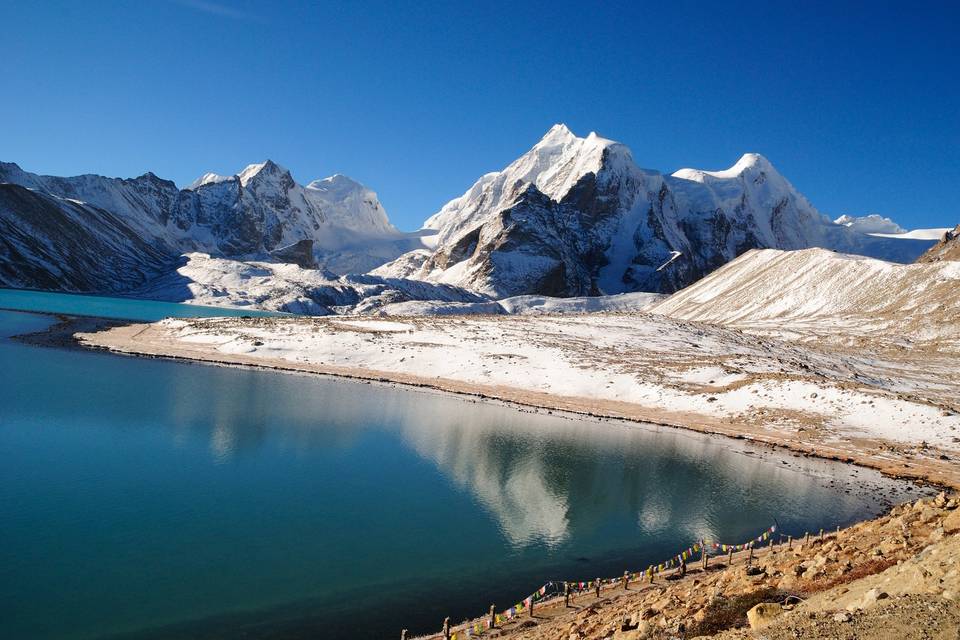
(857, 104)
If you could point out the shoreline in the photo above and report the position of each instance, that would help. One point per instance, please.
(141, 340)
(835, 573)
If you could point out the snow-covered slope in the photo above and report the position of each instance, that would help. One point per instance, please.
(202, 279)
(525, 305)
(576, 216)
(815, 292)
(248, 215)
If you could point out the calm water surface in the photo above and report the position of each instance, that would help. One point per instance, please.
(119, 308)
(148, 499)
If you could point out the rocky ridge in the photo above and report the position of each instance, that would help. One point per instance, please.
(948, 248)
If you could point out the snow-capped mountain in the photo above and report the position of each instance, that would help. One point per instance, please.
(577, 216)
(254, 214)
(872, 223)
(571, 217)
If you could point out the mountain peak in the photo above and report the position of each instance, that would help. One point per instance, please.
(262, 169)
(558, 134)
(208, 178)
(337, 183)
(748, 162)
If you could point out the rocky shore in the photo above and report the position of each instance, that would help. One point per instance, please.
(897, 576)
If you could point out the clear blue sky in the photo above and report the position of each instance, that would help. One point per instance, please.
(857, 104)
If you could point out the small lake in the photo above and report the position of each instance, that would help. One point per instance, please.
(145, 499)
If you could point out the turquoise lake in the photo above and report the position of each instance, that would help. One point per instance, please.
(145, 499)
(119, 308)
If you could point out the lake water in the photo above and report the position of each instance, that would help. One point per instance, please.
(118, 308)
(145, 499)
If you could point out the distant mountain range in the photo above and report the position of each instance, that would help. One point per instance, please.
(571, 217)
(90, 233)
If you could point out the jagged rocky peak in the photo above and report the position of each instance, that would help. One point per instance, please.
(260, 171)
(263, 171)
(560, 159)
(553, 166)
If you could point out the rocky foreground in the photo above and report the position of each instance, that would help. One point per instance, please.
(894, 577)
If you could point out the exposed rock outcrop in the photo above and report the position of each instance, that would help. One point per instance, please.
(948, 248)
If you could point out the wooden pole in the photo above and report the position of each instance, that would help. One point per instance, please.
(446, 628)
(750, 555)
(806, 539)
(626, 577)
(789, 542)
(821, 535)
(730, 558)
(531, 606)
(493, 616)
(703, 555)
(566, 594)
(596, 587)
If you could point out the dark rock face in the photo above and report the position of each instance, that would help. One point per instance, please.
(48, 243)
(299, 253)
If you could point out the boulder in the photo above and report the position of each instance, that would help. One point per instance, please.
(763, 614)
(869, 599)
(951, 524)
